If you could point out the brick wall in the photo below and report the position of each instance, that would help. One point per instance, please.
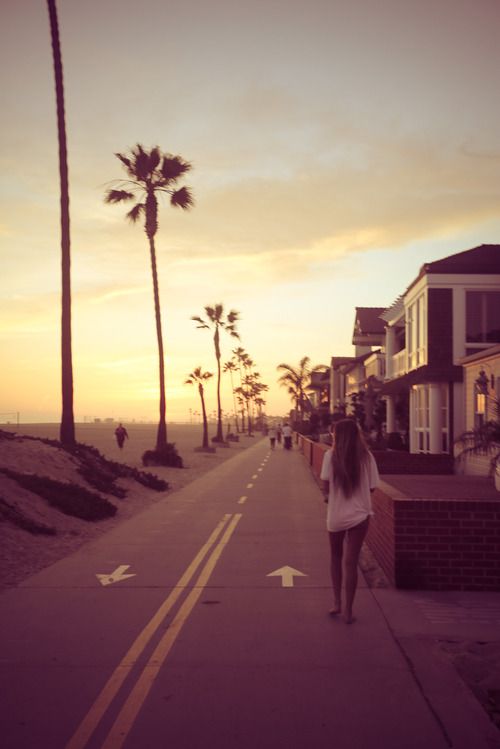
(445, 544)
(398, 461)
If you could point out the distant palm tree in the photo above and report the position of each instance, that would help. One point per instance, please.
(216, 320)
(67, 428)
(197, 377)
(231, 367)
(152, 174)
(296, 380)
(241, 356)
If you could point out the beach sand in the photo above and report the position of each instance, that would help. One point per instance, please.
(23, 553)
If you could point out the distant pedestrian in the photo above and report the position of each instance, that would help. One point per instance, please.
(121, 434)
(349, 474)
(287, 436)
(272, 436)
(278, 434)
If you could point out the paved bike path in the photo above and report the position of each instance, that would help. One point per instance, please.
(237, 660)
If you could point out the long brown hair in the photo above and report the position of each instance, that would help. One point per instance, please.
(349, 452)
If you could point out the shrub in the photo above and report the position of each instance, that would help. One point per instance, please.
(167, 457)
(16, 517)
(70, 499)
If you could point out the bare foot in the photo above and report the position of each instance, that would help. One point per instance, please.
(336, 609)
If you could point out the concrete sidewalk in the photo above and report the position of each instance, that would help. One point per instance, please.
(441, 634)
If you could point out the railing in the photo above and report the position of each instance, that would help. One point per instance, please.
(399, 366)
(375, 366)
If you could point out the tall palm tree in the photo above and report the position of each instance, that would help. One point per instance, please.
(296, 380)
(197, 377)
(67, 428)
(152, 174)
(215, 320)
(231, 367)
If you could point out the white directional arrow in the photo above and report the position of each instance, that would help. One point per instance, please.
(287, 574)
(115, 577)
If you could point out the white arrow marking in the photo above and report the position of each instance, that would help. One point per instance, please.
(287, 574)
(115, 577)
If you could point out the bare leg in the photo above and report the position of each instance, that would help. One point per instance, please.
(336, 548)
(355, 538)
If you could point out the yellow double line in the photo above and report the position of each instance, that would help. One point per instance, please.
(140, 691)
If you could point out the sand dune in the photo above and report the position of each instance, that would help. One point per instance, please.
(22, 553)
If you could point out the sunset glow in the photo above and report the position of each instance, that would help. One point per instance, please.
(336, 147)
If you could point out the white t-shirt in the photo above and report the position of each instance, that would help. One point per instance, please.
(344, 513)
(287, 431)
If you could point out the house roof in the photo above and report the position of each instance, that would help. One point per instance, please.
(354, 361)
(485, 353)
(482, 259)
(367, 321)
(422, 375)
(337, 361)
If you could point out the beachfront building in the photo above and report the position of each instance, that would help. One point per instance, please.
(451, 310)
(482, 398)
(355, 381)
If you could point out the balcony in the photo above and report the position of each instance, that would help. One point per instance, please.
(399, 366)
(375, 366)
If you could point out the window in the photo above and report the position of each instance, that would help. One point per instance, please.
(483, 316)
(420, 404)
(416, 324)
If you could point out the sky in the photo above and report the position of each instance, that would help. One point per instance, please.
(336, 147)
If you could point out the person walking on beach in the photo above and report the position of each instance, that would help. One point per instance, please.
(272, 435)
(349, 474)
(121, 434)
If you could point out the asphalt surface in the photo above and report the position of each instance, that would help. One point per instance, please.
(202, 647)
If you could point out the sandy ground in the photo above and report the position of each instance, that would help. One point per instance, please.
(23, 553)
(142, 437)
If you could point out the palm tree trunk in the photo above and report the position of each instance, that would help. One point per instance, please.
(67, 428)
(219, 437)
(234, 402)
(205, 423)
(161, 438)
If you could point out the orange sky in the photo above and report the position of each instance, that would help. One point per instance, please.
(335, 147)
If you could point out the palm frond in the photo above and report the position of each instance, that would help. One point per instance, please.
(173, 167)
(182, 198)
(154, 158)
(134, 214)
(117, 196)
(127, 163)
(141, 163)
(287, 368)
(202, 323)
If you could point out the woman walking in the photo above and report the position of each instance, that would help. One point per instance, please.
(349, 474)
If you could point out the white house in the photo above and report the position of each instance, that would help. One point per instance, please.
(451, 310)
